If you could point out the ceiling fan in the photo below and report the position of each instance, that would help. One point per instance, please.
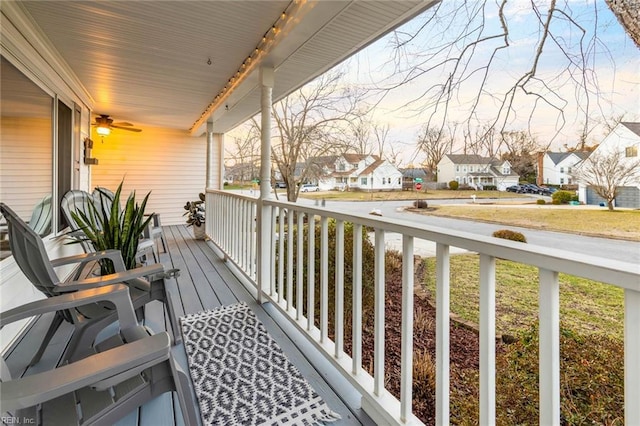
(105, 123)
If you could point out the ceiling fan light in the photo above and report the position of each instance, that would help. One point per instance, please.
(103, 130)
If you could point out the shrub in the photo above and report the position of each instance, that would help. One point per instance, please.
(453, 185)
(508, 234)
(420, 204)
(541, 201)
(489, 188)
(562, 197)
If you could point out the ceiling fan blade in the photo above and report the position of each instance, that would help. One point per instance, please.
(123, 123)
(131, 129)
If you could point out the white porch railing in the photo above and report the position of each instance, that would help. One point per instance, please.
(233, 226)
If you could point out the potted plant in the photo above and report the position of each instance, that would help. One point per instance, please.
(107, 226)
(195, 216)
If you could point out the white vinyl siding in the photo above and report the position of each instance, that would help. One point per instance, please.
(170, 163)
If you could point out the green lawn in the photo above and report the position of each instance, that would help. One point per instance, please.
(585, 306)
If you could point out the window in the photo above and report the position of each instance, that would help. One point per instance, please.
(631, 151)
(457, 168)
(464, 169)
(561, 169)
(363, 181)
(561, 181)
(569, 169)
(506, 170)
(471, 169)
(26, 165)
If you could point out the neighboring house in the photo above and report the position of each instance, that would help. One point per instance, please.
(476, 171)
(241, 172)
(554, 168)
(625, 139)
(356, 171)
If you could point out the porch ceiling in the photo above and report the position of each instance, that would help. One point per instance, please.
(147, 62)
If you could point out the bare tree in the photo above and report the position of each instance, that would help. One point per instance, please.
(434, 143)
(245, 152)
(607, 173)
(361, 129)
(311, 123)
(520, 149)
(467, 59)
(380, 134)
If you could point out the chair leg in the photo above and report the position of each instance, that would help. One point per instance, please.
(53, 327)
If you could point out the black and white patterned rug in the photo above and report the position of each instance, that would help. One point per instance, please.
(242, 377)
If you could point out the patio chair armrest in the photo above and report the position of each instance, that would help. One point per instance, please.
(128, 275)
(117, 294)
(114, 255)
(37, 388)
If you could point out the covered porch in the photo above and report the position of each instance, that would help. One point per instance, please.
(205, 283)
(286, 45)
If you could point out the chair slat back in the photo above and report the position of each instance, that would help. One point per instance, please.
(41, 217)
(29, 253)
(77, 201)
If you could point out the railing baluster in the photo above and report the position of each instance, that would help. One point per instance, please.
(549, 317)
(406, 363)
(339, 289)
(442, 334)
(324, 278)
(281, 216)
(487, 340)
(378, 345)
(357, 299)
(289, 295)
(631, 357)
(231, 225)
(299, 265)
(272, 264)
(243, 241)
(311, 271)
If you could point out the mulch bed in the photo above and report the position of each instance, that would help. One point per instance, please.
(464, 343)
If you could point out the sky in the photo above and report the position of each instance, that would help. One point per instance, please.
(613, 61)
(612, 79)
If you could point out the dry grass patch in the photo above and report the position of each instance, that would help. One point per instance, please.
(586, 307)
(407, 195)
(622, 224)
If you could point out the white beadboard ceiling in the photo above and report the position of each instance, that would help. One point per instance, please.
(146, 62)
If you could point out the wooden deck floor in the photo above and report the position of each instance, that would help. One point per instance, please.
(206, 283)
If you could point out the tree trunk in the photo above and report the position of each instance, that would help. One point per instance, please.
(610, 205)
(628, 14)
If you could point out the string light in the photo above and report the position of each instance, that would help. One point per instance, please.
(259, 49)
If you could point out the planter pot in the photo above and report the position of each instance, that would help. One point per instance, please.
(199, 232)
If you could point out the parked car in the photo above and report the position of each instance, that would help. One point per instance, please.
(309, 187)
(280, 184)
(513, 188)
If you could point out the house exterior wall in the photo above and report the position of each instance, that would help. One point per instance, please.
(170, 163)
(620, 138)
(23, 46)
(446, 170)
(559, 174)
(386, 177)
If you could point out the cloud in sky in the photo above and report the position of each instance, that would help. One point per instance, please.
(612, 76)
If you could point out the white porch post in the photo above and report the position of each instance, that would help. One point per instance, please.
(264, 215)
(215, 158)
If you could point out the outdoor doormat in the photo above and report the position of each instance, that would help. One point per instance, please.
(242, 377)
